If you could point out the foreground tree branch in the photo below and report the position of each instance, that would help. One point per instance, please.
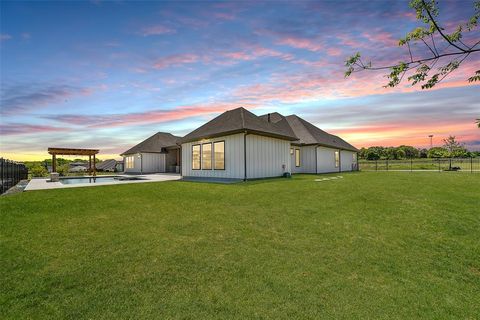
(423, 73)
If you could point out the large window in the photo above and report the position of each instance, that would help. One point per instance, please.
(337, 159)
(207, 156)
(354, 157)
(219, 155)
(129, 164)
(297, 157)
(196, 157)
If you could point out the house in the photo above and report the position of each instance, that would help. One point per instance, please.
(158, 153)
(241, 145)
(110, 165)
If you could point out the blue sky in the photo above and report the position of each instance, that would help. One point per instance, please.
(109, 74)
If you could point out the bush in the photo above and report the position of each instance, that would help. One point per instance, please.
(38, 171)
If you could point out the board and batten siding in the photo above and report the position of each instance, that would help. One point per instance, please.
(326, 160)
(146, 163)
(307, 160)
(234, 163)
(267, 157)
(346, 158)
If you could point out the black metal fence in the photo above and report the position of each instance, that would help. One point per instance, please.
(11, 173)
(425, 164)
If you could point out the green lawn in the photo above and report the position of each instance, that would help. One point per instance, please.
(371, 245)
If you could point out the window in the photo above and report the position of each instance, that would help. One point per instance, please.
(337, 159)
(297, 157)
(207, 156)
(219, 155)
(196, 157)
(354, 157)
(129, 164)
(291, 150)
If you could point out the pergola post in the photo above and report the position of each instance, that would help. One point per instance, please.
(89, 165)
(94, 167)
(54, 163)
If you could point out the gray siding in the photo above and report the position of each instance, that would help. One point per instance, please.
(347, 160)
(234, 162)
(307, 160)
(147, 163)
(267, 157)
(326, 160)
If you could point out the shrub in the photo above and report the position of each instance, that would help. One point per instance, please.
(38, 171)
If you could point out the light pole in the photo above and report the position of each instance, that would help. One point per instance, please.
(431, 143)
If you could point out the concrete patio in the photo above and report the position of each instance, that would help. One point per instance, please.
(44, 184)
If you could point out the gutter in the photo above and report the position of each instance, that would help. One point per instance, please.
(316, 159)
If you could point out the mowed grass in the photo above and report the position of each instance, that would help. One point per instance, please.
(370, 245)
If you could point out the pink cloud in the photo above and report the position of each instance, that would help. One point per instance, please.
(156, 30)
(176, 60)
(224, 16)
(300, 43)
(20, 128)
(334, 51)
(381, 37)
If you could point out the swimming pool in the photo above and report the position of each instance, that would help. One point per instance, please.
(76, 180)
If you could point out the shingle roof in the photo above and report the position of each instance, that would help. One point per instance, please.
(155, 143)
(310, 134)
(106, 164)
(240, 120)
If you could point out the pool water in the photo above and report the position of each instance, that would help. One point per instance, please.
(97, 179)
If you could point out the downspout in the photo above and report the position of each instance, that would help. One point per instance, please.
(141, 163)
(316, 159)
(245, 156)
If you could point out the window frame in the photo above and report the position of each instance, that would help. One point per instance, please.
(200, 156)
(129, 164)
(337, 158)
(202, 165)
(299, 164)
(224, 152)
(292, 151)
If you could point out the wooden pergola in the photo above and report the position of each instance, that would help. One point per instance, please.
(74, 152)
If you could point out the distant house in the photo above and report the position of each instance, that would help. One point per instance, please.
(158, 153)
(110, 165)
(240, 145)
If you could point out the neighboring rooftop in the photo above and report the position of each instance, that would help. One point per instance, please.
(155, 143)
(240, 120)
(109, 164)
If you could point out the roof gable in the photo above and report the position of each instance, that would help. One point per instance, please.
(154, 143)
(239, 120)
(310, 134)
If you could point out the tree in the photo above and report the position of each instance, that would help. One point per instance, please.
(372, 153)
(447, 50)
(437, 152)
(422, 153)
(454, 148)
(400, 154)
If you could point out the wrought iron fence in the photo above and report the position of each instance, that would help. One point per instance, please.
(425, 164)
(11, 173)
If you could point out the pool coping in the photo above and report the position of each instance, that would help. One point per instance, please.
(43, 184)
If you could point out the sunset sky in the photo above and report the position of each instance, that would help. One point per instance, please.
(109, 74)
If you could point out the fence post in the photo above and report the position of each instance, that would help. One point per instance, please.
(439, 165)
(411, 164)
(1, 160)
(387, 164)
(471, 164)
(376, 165)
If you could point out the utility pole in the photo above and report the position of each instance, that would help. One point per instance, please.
(431, 142)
